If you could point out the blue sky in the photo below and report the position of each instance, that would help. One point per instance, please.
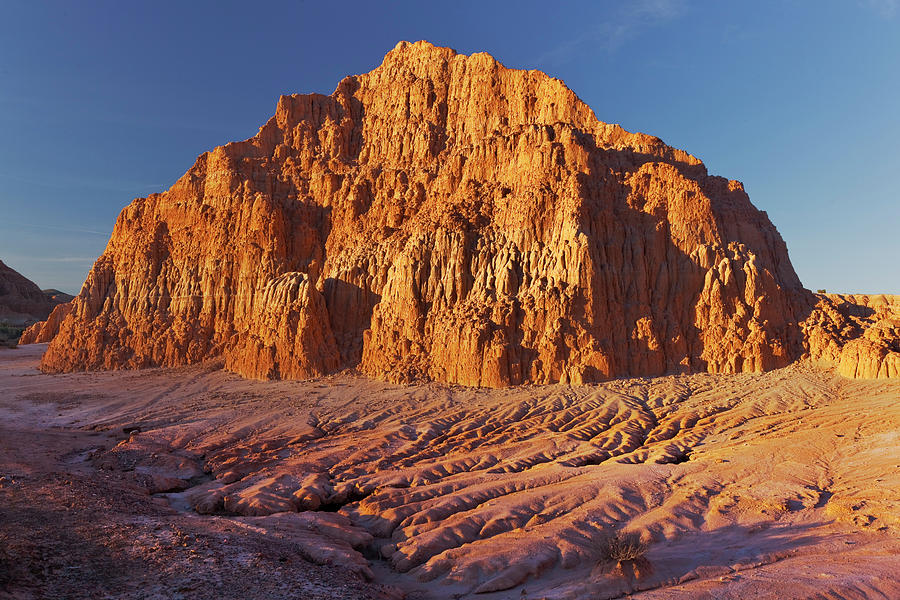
(102, 102)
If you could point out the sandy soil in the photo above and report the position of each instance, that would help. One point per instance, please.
(194, 483)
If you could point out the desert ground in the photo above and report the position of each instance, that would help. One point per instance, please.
(192, 482)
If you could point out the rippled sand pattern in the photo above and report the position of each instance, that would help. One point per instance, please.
(738, 483)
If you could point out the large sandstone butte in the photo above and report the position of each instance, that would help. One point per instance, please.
(442, 217)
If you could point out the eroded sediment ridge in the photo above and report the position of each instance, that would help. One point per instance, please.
(483, 490)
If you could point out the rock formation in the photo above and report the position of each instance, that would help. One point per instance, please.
(442, 217)
(45, 331)
(859, 333)
(21, 301)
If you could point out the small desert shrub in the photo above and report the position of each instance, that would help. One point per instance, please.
(820, 291)
(9, 335)
(623, 554)
(621, 547)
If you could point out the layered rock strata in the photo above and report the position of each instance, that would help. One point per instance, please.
(442, 217)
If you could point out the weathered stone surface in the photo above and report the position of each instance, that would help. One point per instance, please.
(44, 331)
(290, 338)
(462, 222)
(858, 333)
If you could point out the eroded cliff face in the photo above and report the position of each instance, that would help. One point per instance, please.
(44, 331)
(858, 333)
(442, 217)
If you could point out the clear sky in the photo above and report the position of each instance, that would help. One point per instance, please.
(102, 102)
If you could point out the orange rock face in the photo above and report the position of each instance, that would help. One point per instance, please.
(858, 333)
(442, 217)
(45, 331)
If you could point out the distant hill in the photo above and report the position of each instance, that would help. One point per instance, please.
(21, 301)
(58, 297)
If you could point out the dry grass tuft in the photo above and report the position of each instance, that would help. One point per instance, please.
(622, 547)
(623, 554)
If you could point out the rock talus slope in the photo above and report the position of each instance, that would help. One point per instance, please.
(442, 217)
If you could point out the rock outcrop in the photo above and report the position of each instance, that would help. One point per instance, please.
(21, 301)
(442, 217)
(858, 333)
(44, 331)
